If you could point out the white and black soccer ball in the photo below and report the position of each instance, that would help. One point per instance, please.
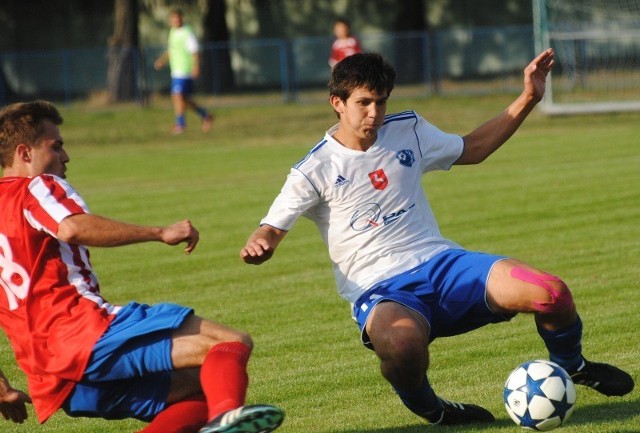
(539, 395)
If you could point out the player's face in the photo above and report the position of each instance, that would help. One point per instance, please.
(49, 156)
(361, 115)
(175, 20)
(341, 30)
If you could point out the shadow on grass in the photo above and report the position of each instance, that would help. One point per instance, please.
(584, 415)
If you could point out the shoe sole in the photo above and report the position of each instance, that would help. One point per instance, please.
(253, 420)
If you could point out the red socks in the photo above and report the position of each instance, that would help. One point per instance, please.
(224, 378)
(185, 416)
(224, 381)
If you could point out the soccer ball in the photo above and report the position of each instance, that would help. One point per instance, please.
(539, 395)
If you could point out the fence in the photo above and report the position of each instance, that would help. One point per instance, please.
(478, 60)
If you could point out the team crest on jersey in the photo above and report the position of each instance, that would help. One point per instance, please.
(379, 179)
(406, 157)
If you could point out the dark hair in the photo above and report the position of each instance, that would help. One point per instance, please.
(364, 70)
(21, 123)
(344, 21)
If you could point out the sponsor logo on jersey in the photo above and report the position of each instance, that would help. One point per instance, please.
(379, 179)
(369, 216)
(341, 181)
(406, 157)
(366, 217)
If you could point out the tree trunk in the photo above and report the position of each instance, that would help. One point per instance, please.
(411, 16)
(217, 74)
(123, 52)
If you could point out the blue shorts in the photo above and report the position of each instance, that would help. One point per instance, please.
(129, 372)
(448, 291)
(182, 86)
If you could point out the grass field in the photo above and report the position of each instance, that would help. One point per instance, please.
(563, 194)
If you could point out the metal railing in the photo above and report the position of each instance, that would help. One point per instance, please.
(480, 60)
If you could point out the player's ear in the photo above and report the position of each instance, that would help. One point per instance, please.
(23, 153)
(337, 104)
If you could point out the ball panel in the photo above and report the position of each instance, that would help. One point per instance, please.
(539, 370)
(517, 378)
(549, 424)
(517, 402)
(568, 413)
(570, 390)
(554, 388)
(512, 414)
(540, 407)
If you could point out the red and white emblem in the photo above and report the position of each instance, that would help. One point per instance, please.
(379, 179)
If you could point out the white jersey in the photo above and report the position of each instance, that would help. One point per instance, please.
(370, 207)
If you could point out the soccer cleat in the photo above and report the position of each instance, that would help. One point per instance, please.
(455, 413)
(207, 121)
(604, 378)
(177, 130)
(246, 419)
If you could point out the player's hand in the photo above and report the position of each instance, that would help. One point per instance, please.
(179, 232)
(13, 403)
(535, 74)
(257, 251)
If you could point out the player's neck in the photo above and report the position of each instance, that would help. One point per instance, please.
(354, 142)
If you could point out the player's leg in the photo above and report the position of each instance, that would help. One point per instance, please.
(222, 354)
(206, 118)
(132, 371)
(179, 108)
(400, 338)
(187, 93)
(179, 90)
(515, 287)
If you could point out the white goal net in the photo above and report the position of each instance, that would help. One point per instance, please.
(597, 44)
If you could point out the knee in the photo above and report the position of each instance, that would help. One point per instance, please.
(197, 336)
(556, 298)
(242, 337)
(210, 340)
(559, 300)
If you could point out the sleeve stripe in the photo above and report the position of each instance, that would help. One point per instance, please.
(55, 200)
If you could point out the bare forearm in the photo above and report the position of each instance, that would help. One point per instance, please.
(488, 137)
(161, 61)
(262, 244)
(97, 231)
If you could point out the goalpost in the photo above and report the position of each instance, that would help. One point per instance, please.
(597, 45)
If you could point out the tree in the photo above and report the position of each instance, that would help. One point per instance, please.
(216, 60)
(410, 16)
(122, 53)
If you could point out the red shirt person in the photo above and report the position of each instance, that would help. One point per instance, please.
(345, 44)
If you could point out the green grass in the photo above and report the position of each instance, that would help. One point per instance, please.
(563, 194)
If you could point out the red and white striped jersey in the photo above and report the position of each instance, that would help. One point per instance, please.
(50, 303)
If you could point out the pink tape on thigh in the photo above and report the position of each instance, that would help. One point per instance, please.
(560, 300)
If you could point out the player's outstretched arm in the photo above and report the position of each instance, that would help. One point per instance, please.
(12, 402)
(96, 231)
(161, 61)
(488, 137)
(262, 244)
